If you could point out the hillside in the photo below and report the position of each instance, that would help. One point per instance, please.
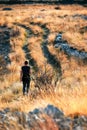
(43, 1)
(54, 40)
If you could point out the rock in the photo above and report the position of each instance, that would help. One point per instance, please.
(57, 8)
(53, 112)
(78, 128)
(64, 123)
(36, 111)
(6, 110)
(7, 9)
(49, 118)
(84, 17)
(69, 50)
(43, 10)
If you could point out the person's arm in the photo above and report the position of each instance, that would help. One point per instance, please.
(21, 75)
(30, 73)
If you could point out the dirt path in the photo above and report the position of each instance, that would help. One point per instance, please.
(29, 34)
(51, 59)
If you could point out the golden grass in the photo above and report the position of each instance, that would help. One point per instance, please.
(73, 38)
(69, 94)
(36, 30)
(71, 101)
(36, 51)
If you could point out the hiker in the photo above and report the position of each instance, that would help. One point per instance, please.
(25, 77)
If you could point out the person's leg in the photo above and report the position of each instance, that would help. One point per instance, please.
(28, 85)
(24, 86)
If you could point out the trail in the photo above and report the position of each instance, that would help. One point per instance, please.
(32, 62)
(51, 59)
(29, 34)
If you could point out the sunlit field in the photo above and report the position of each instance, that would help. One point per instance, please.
(28, 32)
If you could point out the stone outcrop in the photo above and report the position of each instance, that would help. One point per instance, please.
(49, 118)
(69, 50)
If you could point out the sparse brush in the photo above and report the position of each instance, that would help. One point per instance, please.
(36, 29)
(15, 32)
(7, 97)
(51, 38)
(31, 38)
(16, 90)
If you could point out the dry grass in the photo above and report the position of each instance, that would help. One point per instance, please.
(69, 94)
(71, 101)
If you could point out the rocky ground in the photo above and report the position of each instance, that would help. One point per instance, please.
(63, 45)
(5, 42)
(48, 118)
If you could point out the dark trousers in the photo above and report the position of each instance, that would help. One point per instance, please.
(26, 85)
